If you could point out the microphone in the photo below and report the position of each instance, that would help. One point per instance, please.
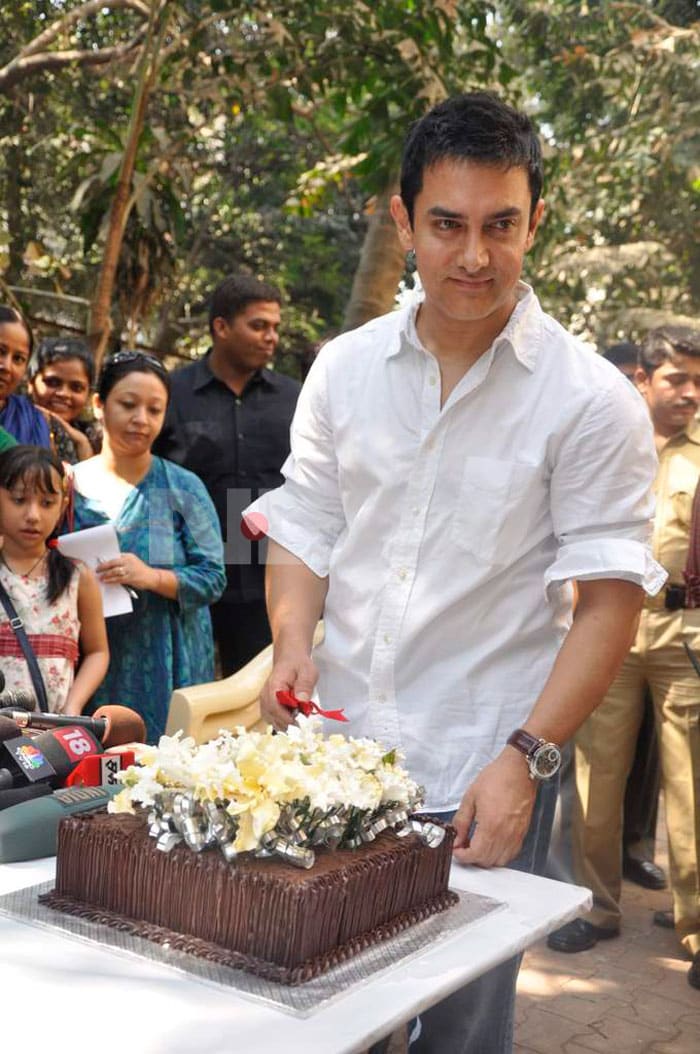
(124, 725)
(25, 762)
(16, 698)
(26, 719)
(100, 770)
(113, 725)
(65, 748)
(49, 757)
(28, 830)
(14, 795)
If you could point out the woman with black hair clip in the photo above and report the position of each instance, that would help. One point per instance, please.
(171, 549)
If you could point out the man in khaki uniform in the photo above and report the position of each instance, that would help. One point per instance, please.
(669, 380)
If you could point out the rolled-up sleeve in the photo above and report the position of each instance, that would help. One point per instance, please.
(601, 494)
(305, 515)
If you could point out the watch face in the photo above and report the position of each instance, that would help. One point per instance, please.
(545, 761)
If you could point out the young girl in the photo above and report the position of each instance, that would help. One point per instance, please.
(58, 601)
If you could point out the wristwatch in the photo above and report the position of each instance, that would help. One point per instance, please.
(543, 758)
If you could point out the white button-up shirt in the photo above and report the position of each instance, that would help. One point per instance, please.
(450, 534)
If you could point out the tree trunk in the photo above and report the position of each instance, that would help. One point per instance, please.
(101, 305)
(14, 164)
(380, 268)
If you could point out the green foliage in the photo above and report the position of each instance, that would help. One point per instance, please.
(270, 129)
(614, 86)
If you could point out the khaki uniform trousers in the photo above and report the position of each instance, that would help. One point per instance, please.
(604, 749)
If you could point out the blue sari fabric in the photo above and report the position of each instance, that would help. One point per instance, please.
(21, 419)
(169, 522)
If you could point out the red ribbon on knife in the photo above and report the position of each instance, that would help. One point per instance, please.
(307, 707)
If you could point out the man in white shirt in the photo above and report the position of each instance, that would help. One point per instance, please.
(454, 466)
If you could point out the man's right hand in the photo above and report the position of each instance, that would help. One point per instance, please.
(294, 673)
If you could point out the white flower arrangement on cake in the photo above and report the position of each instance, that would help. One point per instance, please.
(280, 793)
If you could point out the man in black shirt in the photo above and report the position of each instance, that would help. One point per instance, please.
(228, 421)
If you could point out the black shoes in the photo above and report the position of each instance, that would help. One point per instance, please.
(579, 936)
(694, 972)
(644, 873)
(664, 919)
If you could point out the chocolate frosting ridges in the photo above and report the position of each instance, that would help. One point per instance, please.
(211, 952)
(259, 914)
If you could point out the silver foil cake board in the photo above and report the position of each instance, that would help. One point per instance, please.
(301, 1000)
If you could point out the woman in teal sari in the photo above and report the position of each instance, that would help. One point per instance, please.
(171, 550)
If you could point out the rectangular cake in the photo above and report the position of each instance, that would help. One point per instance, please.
(258, 914)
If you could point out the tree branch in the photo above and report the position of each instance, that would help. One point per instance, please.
(85, 10)
(19, 69)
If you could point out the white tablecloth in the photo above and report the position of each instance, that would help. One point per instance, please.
(65, 995)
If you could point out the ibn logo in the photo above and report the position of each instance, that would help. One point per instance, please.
(30, 757)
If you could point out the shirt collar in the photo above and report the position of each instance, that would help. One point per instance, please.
(690, 434)
(203, 375)
(522, 332)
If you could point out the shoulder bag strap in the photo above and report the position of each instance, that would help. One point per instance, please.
(17, 627)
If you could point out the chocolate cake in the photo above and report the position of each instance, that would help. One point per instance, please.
(257, 914)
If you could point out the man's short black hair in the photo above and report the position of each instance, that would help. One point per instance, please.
(623, 353)
(665, 342)
(235, 293)
(476, 126)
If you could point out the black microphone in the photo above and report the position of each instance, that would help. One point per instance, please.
(17, 795)
(24, 762)
(48, 758)
(65, 748)
(16, 699)
(97, 726)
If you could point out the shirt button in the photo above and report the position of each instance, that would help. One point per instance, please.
(387, 638)
(432, 379)
(381, 698)
(416, 511)
(240, 435)
(239, 402)
(402, 572)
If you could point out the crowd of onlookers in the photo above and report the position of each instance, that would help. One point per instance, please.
(81, 452)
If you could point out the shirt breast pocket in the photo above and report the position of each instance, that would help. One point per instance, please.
(682, 482)
(497, 503)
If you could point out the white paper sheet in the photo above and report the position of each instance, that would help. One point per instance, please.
(93, 546)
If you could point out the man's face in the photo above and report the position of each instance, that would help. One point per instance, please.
(471, 230)
(249, 339)
(672, 393)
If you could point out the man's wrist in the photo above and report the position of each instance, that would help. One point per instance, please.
(291, 643)
(542, 757)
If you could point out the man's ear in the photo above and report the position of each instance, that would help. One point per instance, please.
(399, 214)
(641, 379)
(219, 327)
(534, 223)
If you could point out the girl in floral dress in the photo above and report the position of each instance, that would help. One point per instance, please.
(58, 600)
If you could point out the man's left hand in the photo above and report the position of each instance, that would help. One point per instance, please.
(499, 802)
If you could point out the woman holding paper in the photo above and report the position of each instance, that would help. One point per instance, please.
(171, 549)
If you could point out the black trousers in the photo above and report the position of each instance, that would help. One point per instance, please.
(240, 632)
